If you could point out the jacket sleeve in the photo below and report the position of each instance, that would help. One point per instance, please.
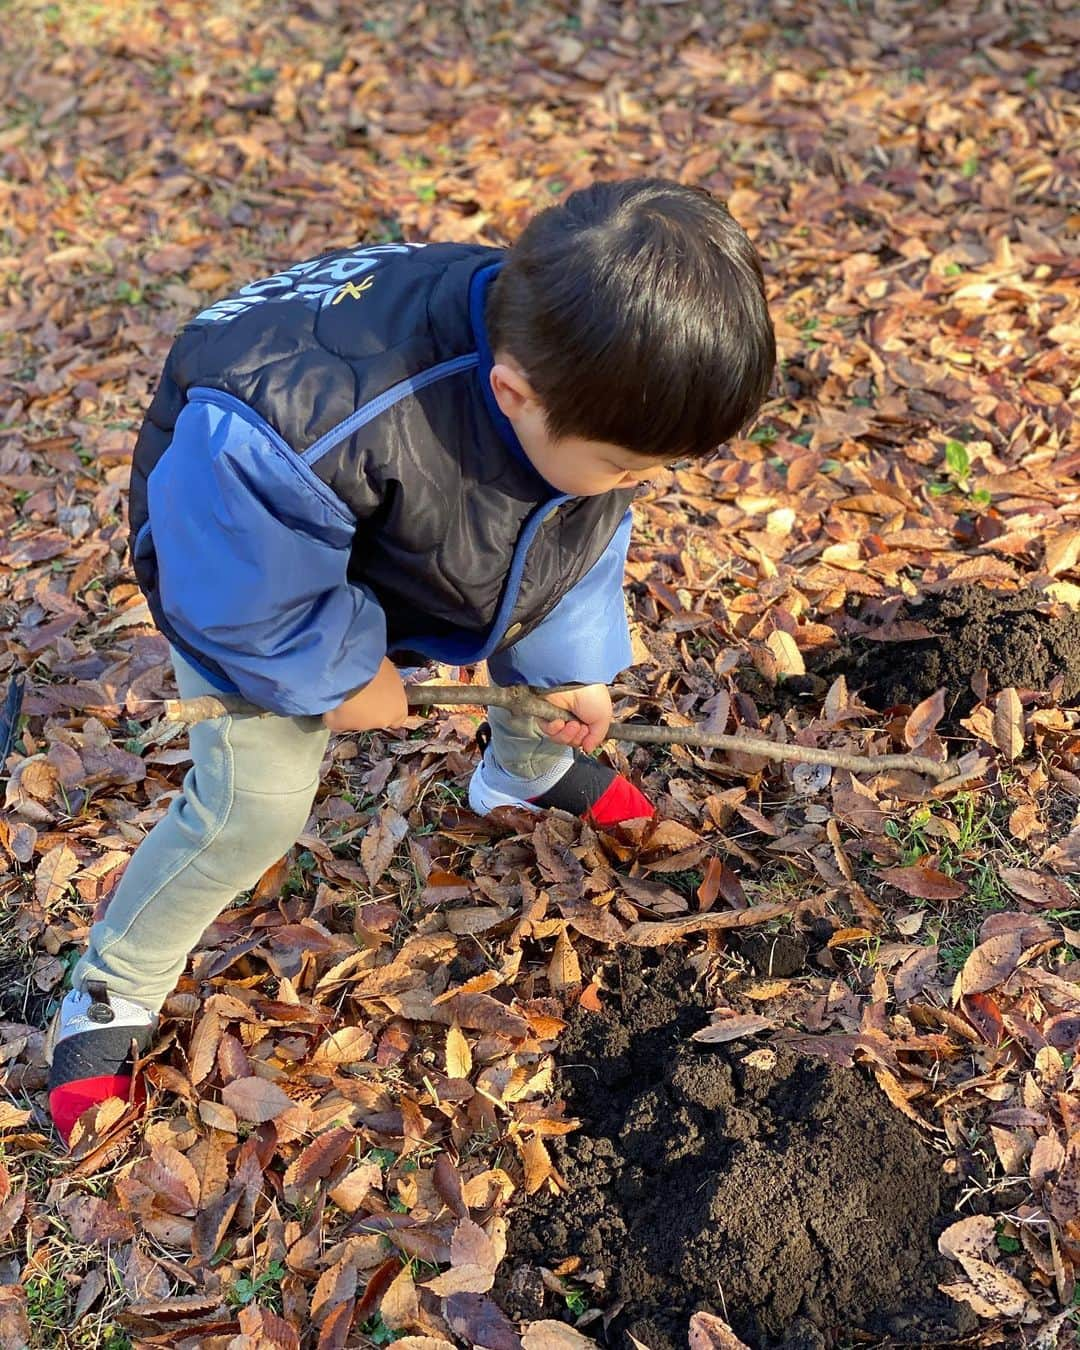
(251, 551)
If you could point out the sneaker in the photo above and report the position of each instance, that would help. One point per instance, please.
(584, 787)
(89, 1052)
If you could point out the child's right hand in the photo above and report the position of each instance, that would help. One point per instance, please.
(381, 703)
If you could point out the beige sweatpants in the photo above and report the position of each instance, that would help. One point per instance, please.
(244, 802)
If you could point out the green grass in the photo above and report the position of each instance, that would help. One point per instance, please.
(967, 839)
(264, 1289)
(376, 1330)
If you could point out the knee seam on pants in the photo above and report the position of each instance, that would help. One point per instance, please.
(292, 792)
(219, 825)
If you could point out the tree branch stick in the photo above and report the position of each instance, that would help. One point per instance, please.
(522, 700)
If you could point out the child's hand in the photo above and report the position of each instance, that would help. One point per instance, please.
(381, 703)
(591, 705)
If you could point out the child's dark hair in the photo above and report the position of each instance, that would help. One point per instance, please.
(637, 311)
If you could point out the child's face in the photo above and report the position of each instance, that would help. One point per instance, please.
(570, 464)
(587, 468)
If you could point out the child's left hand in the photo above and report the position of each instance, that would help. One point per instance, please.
(591, 706)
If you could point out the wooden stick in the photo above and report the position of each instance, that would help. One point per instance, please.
(520, 699)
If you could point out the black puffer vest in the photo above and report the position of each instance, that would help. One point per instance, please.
(372, 365)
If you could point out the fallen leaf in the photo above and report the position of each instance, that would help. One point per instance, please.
(564, 969)
(400, 1305)
(349, 1045)
(458, 1055)
(462, 1280)
(471, 1246)
(924, 718)
(1037, 888)
(731, 1028)
(915, 973)
(897, 1094)
(657, 933)
(1062, 551)
(967, 1238)
(843, 937)
(923, 883)
(1009, 724)
(256, 1099)
(319, 1158)
(204, 1045)
(549, 1335)
(379, 842)
(789, 660)
(991, 963)
(985, 1016)
(998, 1290)
(538, 1164)
(478, 1320)
(53, 873)
(708, 1332)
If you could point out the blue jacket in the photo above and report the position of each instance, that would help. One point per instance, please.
(324, 476)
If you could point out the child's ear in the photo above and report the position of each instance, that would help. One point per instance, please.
(513, 392)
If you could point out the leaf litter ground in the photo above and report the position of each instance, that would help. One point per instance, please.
(354, 1083)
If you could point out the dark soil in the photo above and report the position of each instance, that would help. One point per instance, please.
(792, 1200)
(1010, 635)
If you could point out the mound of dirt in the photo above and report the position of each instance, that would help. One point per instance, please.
(789, 1197)
(1010, 635)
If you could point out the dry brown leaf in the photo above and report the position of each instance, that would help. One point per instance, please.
(538, 1164)
(262, 1329)
(713, 1333)
(923, 883)
(1009, 724)
(967, 1238)
(256, 1099)
(999, 1290)
(843, 937)
(659, 932)
(400, 1305)
(354, 1188)
(764, 990)
(1037, 888)
(462, 1280)
(789, 660)
(320, 1156)
(348, 1045)
(1047, 1159)
(915, 973)
(548, 1335)
(732, 1028)
(896, 1093)
(273, 880)
(449, 1185)
(379, 842)
(1062, 551)
(204, 1045)
(459, 1061)
(924, 718)
(53, 873)
(564, 969)
(471, 1246)
(991, 963)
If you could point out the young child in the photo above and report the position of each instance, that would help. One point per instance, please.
(397, 453)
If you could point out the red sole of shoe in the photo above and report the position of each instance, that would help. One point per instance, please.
(70, 1100)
